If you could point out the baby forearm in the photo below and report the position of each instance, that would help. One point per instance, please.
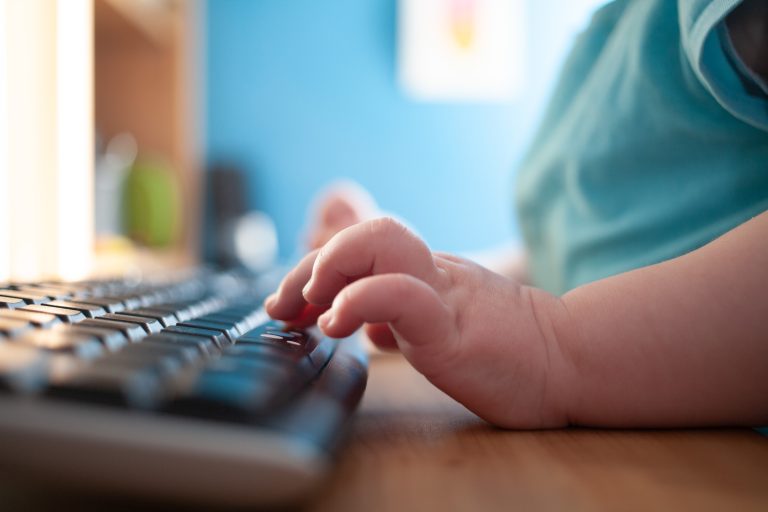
(681, 343)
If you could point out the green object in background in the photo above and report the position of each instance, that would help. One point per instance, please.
(151, 204)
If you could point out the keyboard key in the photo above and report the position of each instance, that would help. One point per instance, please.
(11, 302)
(77, 344)
(245, 308)
(22, 368)
(165, 318)
(189, 353)
(204, 345)
(209, 305)
(65, 315)
(132, 332)
(238, 321)
(157, 362)
(112, 340)
(216, 337)
(28, 297)
(89, 310)
(128, 301)
(153, 297)
(151, 351)
(150, 325)
(189, 310)
(227, 330)
(181, 312)
(41, 320)
(271, 334)
(198, 308)
(309, 358)
(109, 305)
(10, 328)
(72, 290)
(90, 288)
(111, 385)
(51, 293)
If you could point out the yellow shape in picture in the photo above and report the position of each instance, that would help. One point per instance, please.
(462, 22)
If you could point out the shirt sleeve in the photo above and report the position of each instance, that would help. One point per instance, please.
(707, 45)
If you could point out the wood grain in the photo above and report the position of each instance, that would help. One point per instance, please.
(413, 448)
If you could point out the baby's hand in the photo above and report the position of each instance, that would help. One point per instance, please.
(485, 340)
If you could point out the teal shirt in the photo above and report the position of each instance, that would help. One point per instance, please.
(655, 143)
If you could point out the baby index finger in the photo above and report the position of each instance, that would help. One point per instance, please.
(288, 303)
(379, 246)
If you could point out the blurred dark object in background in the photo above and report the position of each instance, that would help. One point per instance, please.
(225, 203)
(236, 234)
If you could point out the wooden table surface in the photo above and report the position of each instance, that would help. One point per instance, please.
(413, 448)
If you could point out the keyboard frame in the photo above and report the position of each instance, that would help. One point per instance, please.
(112, 451)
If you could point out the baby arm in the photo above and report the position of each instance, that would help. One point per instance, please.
(680, 343)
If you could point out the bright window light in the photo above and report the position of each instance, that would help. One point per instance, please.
(46, 138)
(5, 264)
(74, 119)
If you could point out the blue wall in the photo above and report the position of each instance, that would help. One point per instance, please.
(302, 92)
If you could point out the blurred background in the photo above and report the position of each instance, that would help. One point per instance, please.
(163, 132)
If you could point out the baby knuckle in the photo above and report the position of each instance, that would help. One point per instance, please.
(385, 226)
(401, 287)
(323, 255)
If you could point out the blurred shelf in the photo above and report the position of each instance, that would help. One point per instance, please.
(151, 19)
(147, 69)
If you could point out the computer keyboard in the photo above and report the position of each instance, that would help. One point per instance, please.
(177, 388)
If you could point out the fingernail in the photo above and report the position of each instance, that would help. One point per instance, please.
(305, 290)
(325, 320)
(270, 301)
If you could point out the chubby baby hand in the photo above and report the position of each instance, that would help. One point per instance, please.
(481, 338)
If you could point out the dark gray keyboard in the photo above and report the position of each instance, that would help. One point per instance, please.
(196, 345)
(178, 388)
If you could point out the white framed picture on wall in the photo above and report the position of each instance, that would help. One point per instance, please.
(461, 50)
